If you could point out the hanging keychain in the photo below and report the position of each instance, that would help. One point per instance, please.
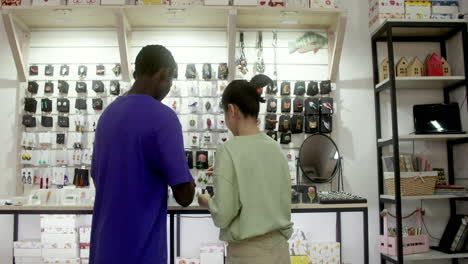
(272, 89)
(242, 61)
(259, 64)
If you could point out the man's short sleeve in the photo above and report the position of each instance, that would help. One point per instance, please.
(165, 152)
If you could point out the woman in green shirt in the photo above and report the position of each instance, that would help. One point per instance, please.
(252, 201)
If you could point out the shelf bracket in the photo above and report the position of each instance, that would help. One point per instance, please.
(335, 47)
(231, 42)
(124, 34)
(13, 39)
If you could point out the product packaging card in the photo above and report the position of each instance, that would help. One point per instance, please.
(62, 261)
(51, 238)
(21, 252)
(64, 221)
(31, 260)
(445, 7)
(27, 244)
(418, 9)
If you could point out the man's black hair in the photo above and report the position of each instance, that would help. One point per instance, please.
(245, 95)
(152, 59)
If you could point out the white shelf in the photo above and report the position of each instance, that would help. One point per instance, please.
(429, 137)
(424, 82)
(178, 16)
(417, 31)
(30, 208)
(424, 197)
(432, 254)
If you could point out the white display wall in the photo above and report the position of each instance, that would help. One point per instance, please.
(355, 135)
(90, 48)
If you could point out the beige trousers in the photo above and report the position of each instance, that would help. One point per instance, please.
(271, 248)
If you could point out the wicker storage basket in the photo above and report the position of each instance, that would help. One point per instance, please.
(412, 183)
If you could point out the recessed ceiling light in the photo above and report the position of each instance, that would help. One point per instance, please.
(63, 20)
(289, 22)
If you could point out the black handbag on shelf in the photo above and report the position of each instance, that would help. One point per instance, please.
(270, 122)
(60, 139)
(298, 105)
(46, 105)
(286, 105)
(63, 105)
(285, 88)
(311, 124)
(312, 88)
(47, 121)
(49, 87)
(326, 124)
(30, 105)
(33, 87)
(115, 88)
(326, 105)
(98, 104)
(117, 69)
(100, 70)
(82, 71)
(284, 123)
(299, 88)
(272, 105)
(223, 71)
(64, 121)
(63, 87)
(285, 138)
(49, 70)
(33, 70)
(312, 106)
(207, 71)
(98, 86)
(273, 134)
(29, 121)
(80, 104)
(64, 70)
(81, 87)
(272, 88)
(325, 87)
(191, 71)
(297, 124)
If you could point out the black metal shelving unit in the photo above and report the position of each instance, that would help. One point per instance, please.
(411, 31)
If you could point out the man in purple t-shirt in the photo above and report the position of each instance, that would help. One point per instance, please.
(138, 153)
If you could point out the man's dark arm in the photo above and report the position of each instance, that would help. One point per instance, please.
(184, 193)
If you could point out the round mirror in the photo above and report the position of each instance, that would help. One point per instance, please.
(319, 159)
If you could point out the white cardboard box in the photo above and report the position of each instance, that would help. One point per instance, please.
(216, 2)
(62, 238)
(379, 10)
(28, 260)
(212, 258)
(48, 2)
(27, 252)
(84, 2)
(418, 9)
(62, 260)
(324, 4)
(84, 253)
(58, 221)
(60, 250)
(245, 2)
(445, 7)
(179, 260)
(114, 2)
(60, 253)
